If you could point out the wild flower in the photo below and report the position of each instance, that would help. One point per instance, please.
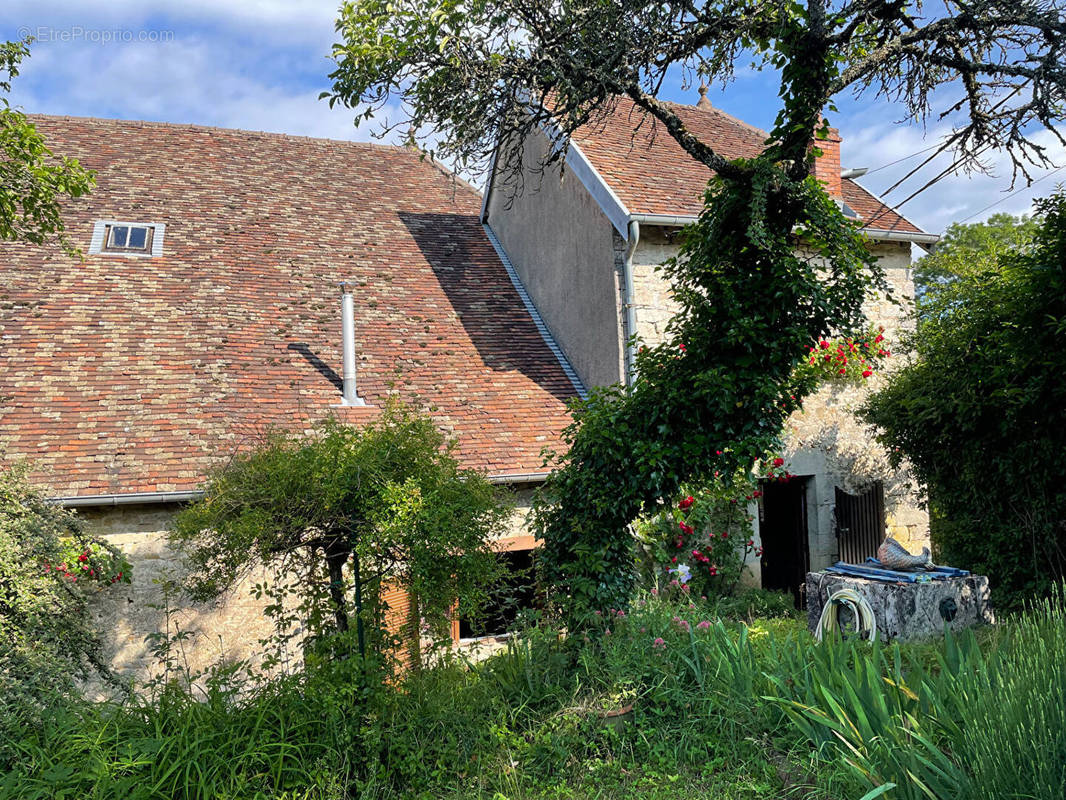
(703, 625)
(659, 643)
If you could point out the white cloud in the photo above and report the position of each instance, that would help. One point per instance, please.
(279, 20)
(955, 197)
(258, 66)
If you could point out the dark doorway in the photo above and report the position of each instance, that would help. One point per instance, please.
(860, 523)
(786, 554)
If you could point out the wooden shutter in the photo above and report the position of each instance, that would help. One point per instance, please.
(401, 619)
(860, 523)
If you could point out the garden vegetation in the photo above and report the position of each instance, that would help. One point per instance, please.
(979, 410)
(666, 700)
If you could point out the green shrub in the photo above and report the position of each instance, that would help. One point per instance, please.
(980, 411)
(49, 568)
(351, 511)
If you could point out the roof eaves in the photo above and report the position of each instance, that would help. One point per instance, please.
(609, 202)
(897, 212)
(531, 309)
(679, 221)
(880, 234)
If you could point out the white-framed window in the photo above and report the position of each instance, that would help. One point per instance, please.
(129, 238)
(115, 237)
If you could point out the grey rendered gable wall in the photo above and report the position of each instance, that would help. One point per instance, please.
(562, 247)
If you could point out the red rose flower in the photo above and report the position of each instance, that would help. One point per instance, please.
(866, 373)
(685, 504)
(779, 461)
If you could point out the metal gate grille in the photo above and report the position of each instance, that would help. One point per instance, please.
(860, 523)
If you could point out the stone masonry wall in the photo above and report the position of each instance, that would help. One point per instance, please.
(229, 630)
(126, 614)
(824, 441)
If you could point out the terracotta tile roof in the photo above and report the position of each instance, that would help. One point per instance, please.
(122, 374)
(651, 174)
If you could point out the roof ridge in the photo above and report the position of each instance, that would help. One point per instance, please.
(141, 123)
(192, 126)
(716, 110)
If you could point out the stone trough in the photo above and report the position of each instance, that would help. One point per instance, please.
(907, 610)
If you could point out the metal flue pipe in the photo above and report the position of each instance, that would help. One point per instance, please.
(350, 397)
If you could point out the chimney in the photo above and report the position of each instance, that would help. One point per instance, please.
(827, 166)
(350, 397)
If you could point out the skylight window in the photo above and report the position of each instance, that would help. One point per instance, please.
(116, 237)
(129, 237)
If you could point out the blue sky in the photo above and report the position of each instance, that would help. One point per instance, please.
(260, 65)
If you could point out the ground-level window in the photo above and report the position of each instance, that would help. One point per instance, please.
(515, 594)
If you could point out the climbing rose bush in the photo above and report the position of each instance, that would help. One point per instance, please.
(701, 544)
(49, 570)
(852, 360)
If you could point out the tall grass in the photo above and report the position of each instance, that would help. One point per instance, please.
(1012, 738)
(277, 740)
(670, 703)
(975, 725)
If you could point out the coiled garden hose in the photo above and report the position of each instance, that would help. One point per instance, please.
(860, 607)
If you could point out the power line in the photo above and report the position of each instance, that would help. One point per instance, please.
(901, 160)
(1009, 196)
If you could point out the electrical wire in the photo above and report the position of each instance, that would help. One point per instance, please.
(1009, 196)
(900, 160)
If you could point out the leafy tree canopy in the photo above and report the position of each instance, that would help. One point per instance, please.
(472, 75)
(980, 411)
(33, 181)
(480, 77)
(965, 250)
(345, 512)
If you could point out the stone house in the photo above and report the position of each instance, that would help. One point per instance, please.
(585, 238)
(206, 309)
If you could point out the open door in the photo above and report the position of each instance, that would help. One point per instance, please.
(786, 554)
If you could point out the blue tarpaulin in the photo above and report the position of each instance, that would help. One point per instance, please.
(873, 570)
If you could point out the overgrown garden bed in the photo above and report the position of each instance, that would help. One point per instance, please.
(719, 708)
